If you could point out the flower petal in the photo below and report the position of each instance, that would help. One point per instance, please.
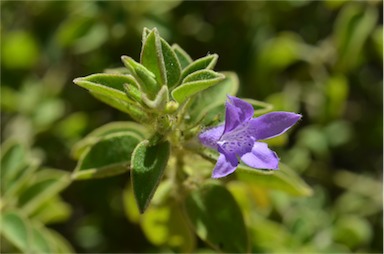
(232, 119)
(211, 136)
(229, 155)
(237, 142)
(261, 157)
(237, 112)
(223, 167)
(245, 109)
(271, 124)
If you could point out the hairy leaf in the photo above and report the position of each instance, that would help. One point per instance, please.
(137, 130)
(207, 62)
(145, 78)
(196, 82)
(152, 57)
(109, 156)
(148, 165)
(110, 85)
(172, 64)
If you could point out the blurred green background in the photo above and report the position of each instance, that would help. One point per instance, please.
(323, 59)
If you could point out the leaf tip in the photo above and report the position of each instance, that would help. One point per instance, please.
(77, 80)
(124, 58)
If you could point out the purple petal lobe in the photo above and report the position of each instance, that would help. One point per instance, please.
(261, 157)
(223, 167)
(245, 109)
(210, 137)
(271, 124)
(232, 119)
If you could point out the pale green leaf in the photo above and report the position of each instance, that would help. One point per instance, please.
(57, 241)
(160, 100)
(167, 226)
(144, 77)
(110, 85)
(284, 179)
(40, 243)
(52, 211)
(352, 28)
(172, 64)
(46, 184)
(13, 161)
(136, 112)
(196, 82)
(152, 57)
(16, 230)
(208, 62)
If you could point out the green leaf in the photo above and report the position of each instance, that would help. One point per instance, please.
(30, 236)
(40, 241)
(13, 162)
(113, 102)
(353, 26)
(51, 211)
(133, 93)
(172, 64)
(12, 191)
(148, 165)
(207, 62)
(136, 112)
(16, 230)
(184, 58)
(130, 208)
(118, 70)
(167, 226)
(110, 85)
(196, 82)
(110, 156)
(137, 130)
(46, 184)
(12, 157)
(284, 179)
(57, 241)
(217, 218)
(160, 100)
(159, 58)
(144, 77)
(145, 34)
(152, 57)
(209, 99)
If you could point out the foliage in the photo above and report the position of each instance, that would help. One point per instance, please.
(145, 91)
(322, 59)
(29, 200)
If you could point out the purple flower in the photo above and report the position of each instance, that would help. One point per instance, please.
(238, 137)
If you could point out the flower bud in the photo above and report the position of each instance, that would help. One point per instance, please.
(171, 107)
